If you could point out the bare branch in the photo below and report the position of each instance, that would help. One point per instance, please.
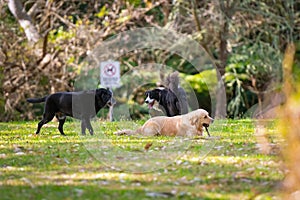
(16, 8)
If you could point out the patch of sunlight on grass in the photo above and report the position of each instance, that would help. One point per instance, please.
(15, 169)
(97, 175)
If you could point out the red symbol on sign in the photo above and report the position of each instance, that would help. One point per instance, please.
(110, 70)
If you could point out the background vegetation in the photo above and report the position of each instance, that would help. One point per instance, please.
(245, 39)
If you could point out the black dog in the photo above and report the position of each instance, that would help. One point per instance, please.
(167, 100)
(82, 105)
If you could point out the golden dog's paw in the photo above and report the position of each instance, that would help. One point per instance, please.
(119, 133)
(124, 132)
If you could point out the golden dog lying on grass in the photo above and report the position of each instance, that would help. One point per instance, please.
(190, 124)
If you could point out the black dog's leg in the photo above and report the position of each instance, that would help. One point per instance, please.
(40, 124)
(46, 118)
(86, 124)
(61, 124)
(89, 126)
(83, 127)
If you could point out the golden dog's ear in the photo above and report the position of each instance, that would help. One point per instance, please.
(194, 120)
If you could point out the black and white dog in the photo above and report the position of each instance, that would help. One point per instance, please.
(167, 100)
(172, 99)
(82, 105)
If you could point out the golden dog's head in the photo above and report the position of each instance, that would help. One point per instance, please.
(200, 118)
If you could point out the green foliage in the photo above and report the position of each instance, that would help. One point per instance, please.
(102, 12)
(203, 85)
(296, 67)
(252, 70)
(202, 81)
(60, 34)
(135, 3)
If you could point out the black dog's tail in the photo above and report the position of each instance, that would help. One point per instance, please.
(172, 82)
(36, 100)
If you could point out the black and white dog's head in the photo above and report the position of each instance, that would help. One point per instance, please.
(152, 96)
(167, 101)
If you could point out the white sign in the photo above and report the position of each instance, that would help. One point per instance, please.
(110, 73)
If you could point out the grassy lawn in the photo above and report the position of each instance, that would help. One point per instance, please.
(50, 166)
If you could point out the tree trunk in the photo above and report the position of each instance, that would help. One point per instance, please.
(221, 102)
(16, 8)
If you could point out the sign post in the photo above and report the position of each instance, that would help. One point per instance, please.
(110, 77)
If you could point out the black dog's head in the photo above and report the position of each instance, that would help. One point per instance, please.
(104, 97)
(152, 96)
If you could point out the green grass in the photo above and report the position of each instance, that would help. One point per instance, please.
(50, 166)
